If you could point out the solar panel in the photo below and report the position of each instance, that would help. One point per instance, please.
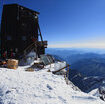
(50, 58)
(45, 59)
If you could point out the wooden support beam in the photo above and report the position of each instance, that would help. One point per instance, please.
(66, 76)
(61, 69)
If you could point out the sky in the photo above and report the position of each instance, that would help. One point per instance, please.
(69, 23)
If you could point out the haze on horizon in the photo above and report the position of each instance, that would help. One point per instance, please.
(69, 23)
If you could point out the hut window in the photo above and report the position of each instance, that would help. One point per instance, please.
(21, 8)
(9, 37)
(24, 38)
(30, 13)
(35, 16)
(23, 24)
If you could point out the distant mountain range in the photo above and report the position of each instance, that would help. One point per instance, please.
(90, 66)
(86, 84)
(74, 55)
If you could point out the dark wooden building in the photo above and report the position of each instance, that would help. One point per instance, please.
(20, 31)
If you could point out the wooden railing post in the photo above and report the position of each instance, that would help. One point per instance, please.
(67, 77)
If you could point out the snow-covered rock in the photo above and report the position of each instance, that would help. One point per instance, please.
(56, 66)
(95, 92)
(99, 92)
(39, 87)
(86, 84)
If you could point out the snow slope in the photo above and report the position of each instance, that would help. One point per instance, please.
(39, 87)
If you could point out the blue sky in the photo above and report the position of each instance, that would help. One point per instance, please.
(70, 23)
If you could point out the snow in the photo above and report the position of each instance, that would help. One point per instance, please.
(39, 87)
(56, 66)
(95, 92)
